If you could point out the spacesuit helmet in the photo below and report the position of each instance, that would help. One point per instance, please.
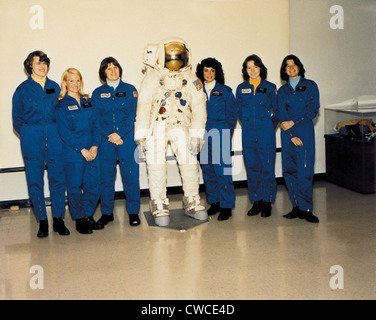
(176, 55)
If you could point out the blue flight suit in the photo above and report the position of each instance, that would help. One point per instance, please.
(78, 127)
(215, 155)
(34, 119)
(301, 106)
(257, 113)
(117, 110)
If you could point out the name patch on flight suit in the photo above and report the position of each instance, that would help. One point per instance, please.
(261, 90)
(217, 93)
(301, 89)
(72, 107)
(50, 91)
(86, 105)
(105, 95)
(246, 90)
(121, 94)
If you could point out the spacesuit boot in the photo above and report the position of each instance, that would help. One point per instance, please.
(160, 212)
(193, 208)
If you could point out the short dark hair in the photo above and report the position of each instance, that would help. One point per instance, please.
(258, 62)
(284, 75)
(28, 63)
(211, 63)
(105, 63)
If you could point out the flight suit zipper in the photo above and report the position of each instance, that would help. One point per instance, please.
(45, 120)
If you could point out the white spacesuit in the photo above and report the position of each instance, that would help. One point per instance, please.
(171, 110)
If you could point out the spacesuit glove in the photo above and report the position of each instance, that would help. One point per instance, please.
(141, 145)
(195, 145)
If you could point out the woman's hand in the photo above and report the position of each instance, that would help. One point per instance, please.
(87, 155)
(285, 125)
(93, 152)
(115, 139)
(297, 142)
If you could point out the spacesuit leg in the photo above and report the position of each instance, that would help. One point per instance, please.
(189, 171)
(156, 166)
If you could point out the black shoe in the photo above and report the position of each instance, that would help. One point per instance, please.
(94, 225)
(106, 218)
(266, 210)
(60, 227)
(82, 226)
(224, 214)
(308, 216)
(294, 213)
(43, 228)
(214, 208)
(134, 220)
(256, 208)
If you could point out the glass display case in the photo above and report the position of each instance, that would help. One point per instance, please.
(350, 144)
(353, 119)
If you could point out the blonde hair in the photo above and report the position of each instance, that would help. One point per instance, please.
(63, 87)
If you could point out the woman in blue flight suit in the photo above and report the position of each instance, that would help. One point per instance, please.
(298, 105)
(215, 156)
(116, 102)
(257, 101)
(78, 126)
(34, 119)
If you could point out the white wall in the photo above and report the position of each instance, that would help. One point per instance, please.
(80, 33)
(341, 61)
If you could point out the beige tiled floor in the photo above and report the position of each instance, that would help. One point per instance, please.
(242, 258)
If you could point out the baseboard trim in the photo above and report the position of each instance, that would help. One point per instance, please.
(26, 203)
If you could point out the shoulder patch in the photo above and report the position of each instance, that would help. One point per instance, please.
(198, 84)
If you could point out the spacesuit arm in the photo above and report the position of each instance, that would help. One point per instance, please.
(198, 106)
(17, 112)
(311, 108)
(143, 121)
